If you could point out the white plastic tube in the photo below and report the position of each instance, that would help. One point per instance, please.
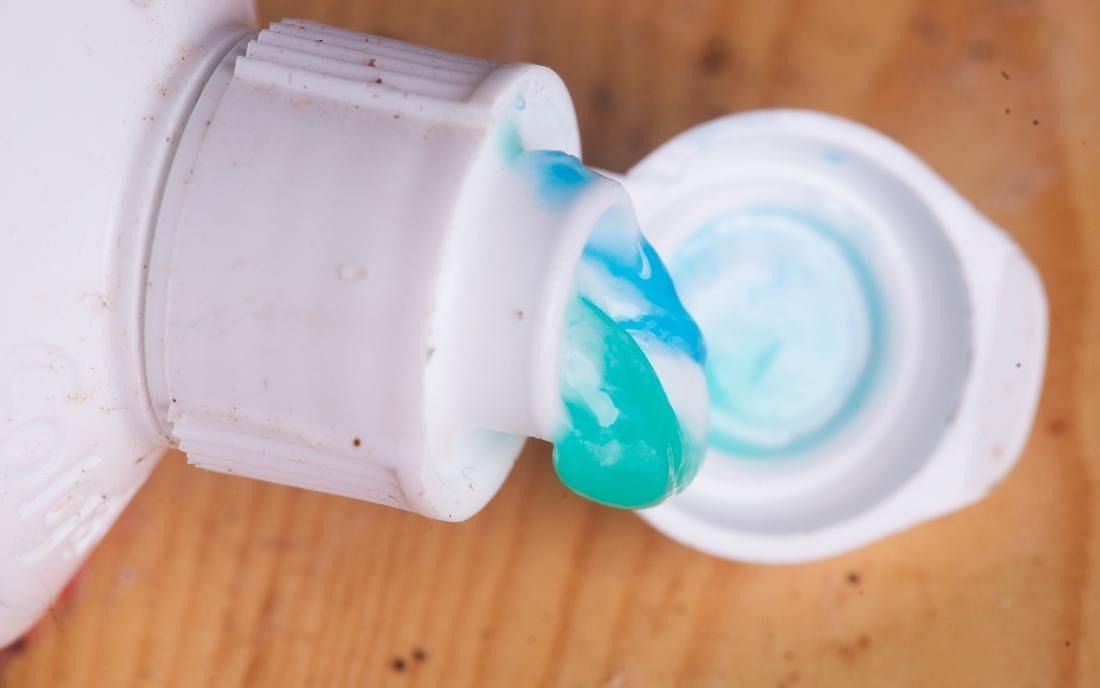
(296, 255)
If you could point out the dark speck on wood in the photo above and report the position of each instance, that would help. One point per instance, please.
(980, 50)
(603, 98)
(715, 56)
(928, 29)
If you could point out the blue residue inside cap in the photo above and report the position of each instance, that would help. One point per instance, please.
(794, 325)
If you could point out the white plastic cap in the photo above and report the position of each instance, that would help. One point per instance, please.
(350, 290)
(935, 322)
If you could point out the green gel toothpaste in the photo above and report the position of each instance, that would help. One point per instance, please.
(632, 376)
(633, 389)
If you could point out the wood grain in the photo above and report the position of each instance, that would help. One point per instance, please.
(216, 581)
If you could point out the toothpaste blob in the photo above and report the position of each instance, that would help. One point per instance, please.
(633, 390)
(632, 374)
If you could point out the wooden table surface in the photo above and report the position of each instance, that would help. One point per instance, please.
(209, 580)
